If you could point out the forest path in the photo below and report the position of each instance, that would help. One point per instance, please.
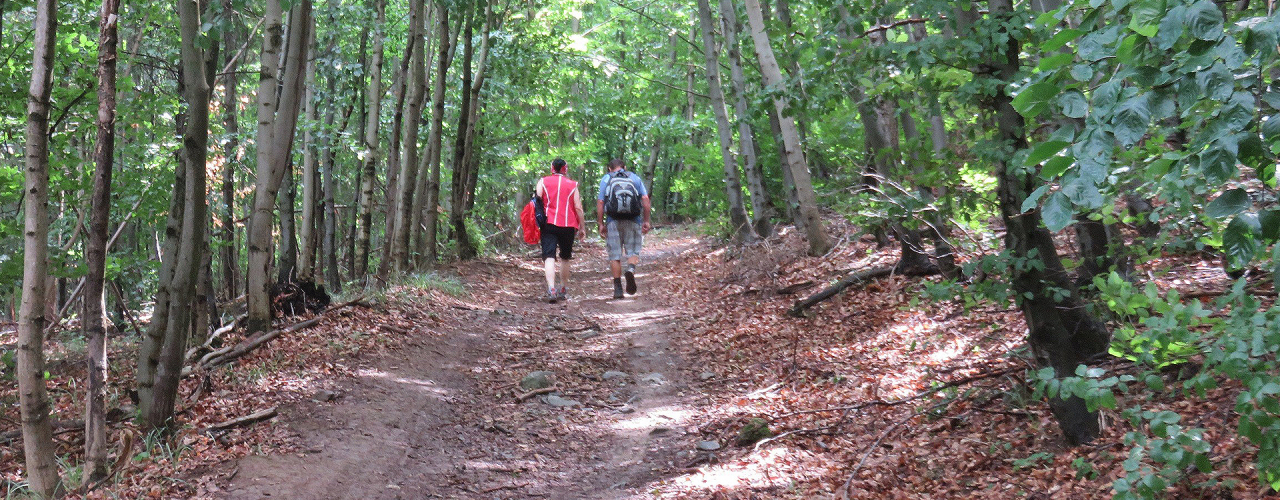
(439, 417)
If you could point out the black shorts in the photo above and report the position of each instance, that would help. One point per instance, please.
(553, 235)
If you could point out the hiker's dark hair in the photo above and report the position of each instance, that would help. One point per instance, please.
(559, 165)
(616, 162)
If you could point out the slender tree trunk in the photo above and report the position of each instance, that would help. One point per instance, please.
(457, 216)
(732, 184)
(95, 333)
(234, 154)
(761, 212)
(310, 196)
(431, 199)
(1063, 334)
(373, 97)
(286, 203)
(277, 122)
(330, 248)
(399, 81)
(37, 432)
(794, 155)
(165, 345)
(415, 86)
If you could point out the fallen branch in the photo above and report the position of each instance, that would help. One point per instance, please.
(208, 344)
(504, 487)
(881, 402)
(795, 287)
(249, 419)
(537, 392)
(856, 278)
(232, 353)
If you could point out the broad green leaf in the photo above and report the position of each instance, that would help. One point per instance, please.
(1073, 104)
(1044, 151)
(1131, 119)
(1170, 28)
(1271, 129)
(1057, 211)
(1229, 203)
(1204, 20)
(1060, 39)
(1269, 223)
(1146, 16)
(1082, 72)
(1056, 166)
(1055, 61)
(1034, 99)
(1033, 198)
(1239, 242)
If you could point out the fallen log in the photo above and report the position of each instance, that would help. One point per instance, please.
(232, 353)
(249, 419)
(856, 278)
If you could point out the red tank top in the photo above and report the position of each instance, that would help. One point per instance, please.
(559, 200)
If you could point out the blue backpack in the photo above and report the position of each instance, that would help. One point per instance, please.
(621, 198)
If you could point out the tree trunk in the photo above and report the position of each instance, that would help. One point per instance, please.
(307, 230)
(457, 216)
(234, 154)
(415, 86)
(761, 211)
(37, 432)
(795, 161)
(373, 98)
(431, 199)
(277, 123)
(329, 251)
(96, 442)
(285, 206)
(399, 81)
(165, 345)
(741, 227)
(1063, 334)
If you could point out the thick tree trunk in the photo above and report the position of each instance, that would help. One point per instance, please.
(431, 198)
(329, 246)
(307, 229)
(165, 345)
(761, 211)
(794, 155)
(401, 230)
(96, 442)
(741, 227)
(277, 122)
(373, 98)
(234, 154)
(286, 201)
(1063, 334)
(33, 400)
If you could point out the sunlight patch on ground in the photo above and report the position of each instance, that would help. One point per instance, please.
(427, 386)
(663, 416)
(764, 469)
(637, 319)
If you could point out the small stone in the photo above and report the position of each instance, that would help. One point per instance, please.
(560, 402)
(613, 375)
(537, 380)
(587, 334)
(707, 375)
(323, 396)
(708, 445)
(626, 409)
(657, 431)
(654, 378)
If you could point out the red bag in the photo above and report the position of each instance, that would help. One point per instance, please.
(529, 221)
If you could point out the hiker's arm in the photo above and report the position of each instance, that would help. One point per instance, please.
(577, 205)
(600, 218)
(644, 200)
(539, 190)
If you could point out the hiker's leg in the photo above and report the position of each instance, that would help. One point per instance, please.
(613, 242)
(549, 266)
(566, 256)
(616, 267)
(564, 272)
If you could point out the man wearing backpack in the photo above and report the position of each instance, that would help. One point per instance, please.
(621, 201)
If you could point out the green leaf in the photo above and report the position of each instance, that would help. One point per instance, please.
(1057, 211)
(1131, 120)
(1044, 151)
(1271, 129)
(1204, 21)
(1034, 99)
(1239, 244)
(1060, 39)
(1229, 203)
(1056, 166)
(1033, 198)
(1082, 72)
(1073, 104)
(1170, 28)
(1146, 17)
(1055, 61)
(1269, 221)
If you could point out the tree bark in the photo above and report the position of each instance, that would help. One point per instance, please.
(96, 442)
(373, 98)
(794, 155)
(329, 250)
(761, 210)
(741, 227)
(286, 205)
(307, 229)
(277, 124)
(457, 214)
(431, 198)
(234, 154)
(165, 345)
(1063, 334)
(415, 86)
(37, 431)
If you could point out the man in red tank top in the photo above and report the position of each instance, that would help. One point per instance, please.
(563, 204)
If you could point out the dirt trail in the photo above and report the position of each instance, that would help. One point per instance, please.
(438, 418)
